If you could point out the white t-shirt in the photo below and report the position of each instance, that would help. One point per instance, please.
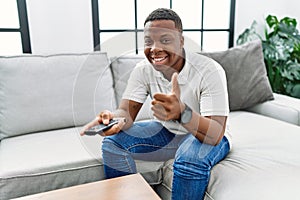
(202, 83)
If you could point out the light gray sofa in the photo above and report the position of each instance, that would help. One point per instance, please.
(45, 99)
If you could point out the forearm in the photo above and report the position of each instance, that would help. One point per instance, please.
(209, 130)
(128, 109)
(121, 113)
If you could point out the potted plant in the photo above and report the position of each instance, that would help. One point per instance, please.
(281, 49)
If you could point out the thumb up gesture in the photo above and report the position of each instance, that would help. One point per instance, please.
(168, 106)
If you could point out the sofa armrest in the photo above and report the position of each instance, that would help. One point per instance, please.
(283, 107)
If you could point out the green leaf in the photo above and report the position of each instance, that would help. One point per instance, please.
(277, 83)
(295, 92)
(276, 49)
(248, 35)
(281, 50)
(292, 89)
(272, 21)
(291, 71)
(296, 52)
(289, 21)
(286, 31)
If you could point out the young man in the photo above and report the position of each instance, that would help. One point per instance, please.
(189, 104)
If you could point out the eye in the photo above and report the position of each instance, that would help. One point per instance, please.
(165, 41)
(148, 41)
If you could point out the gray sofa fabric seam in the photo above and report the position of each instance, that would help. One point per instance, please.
(297, 111)
(50, 172)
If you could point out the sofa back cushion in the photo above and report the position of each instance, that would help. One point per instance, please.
(43, 92)
(121, 69)
(246, 74)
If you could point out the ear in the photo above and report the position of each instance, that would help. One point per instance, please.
(181, 41)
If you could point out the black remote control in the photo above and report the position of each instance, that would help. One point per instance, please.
(99, 129)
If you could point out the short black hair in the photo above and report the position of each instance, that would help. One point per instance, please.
(165, 14)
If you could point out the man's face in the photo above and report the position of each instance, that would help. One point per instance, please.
(163, 45)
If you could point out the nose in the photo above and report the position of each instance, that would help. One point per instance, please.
(156, 48)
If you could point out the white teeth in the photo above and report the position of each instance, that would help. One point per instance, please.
(158, 59)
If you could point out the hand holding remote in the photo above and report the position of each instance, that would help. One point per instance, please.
(101, 128)
(105, 130)
(104, 124)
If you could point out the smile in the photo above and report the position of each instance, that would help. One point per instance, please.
(159, 60)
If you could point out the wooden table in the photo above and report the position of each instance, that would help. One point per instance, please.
(129, 187)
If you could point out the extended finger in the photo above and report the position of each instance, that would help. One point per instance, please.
(89, 125)
(175, 85)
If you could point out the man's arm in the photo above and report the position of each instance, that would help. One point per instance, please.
(208, 129)
(129, 110)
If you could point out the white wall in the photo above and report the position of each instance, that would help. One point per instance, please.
(58, 26)
(66, 25)
(247, 11)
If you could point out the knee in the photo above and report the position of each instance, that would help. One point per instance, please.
(109, 144)
(106, 145)
(187, 164)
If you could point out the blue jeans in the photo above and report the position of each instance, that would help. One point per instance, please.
(151, 141)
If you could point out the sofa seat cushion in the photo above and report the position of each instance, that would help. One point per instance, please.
(264, 162)
(45, 161)
(55, 159)
(283, 107)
